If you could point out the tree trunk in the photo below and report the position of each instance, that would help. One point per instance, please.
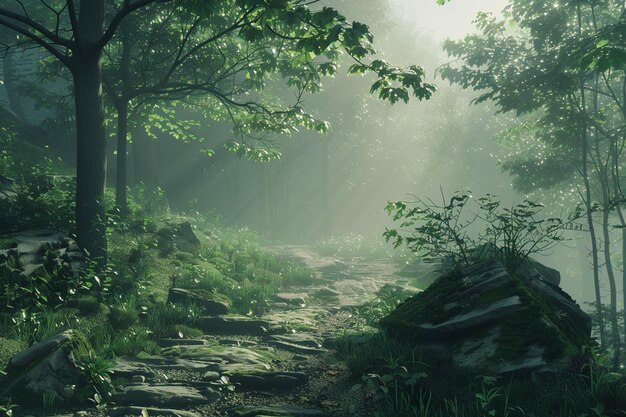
(613, 290)
(91, 139)
(121, 177)
(144, 159)
(121, 180)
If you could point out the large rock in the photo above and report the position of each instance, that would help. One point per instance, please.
(43, 370)
(178, 236)
(34, 248)
(486, 319)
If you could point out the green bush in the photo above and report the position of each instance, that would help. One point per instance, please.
(132, 342)
(122, 317)
(448, 230)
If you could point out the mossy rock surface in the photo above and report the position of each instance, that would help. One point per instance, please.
(486, 318)
(211, 303)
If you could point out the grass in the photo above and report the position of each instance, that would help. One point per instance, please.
(403, 381)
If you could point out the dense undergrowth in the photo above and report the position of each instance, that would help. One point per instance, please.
(401, 380)
(121, 308)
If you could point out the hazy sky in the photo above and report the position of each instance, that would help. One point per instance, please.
(453, 20)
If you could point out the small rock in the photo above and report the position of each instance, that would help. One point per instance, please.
(138, 379)
(211, 376)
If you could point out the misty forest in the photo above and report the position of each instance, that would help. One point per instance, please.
(312, 208)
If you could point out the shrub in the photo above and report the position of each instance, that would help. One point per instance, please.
(446, 230)
(123, 317)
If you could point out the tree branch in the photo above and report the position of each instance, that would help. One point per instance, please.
(127, 9)
(36, 26)
(41, 42)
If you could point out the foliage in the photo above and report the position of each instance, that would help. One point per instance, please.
(446, 229)
(401, 380)
(382, 304)
(41, 201)
(96, 371)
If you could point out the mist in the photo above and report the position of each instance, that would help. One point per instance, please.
(329, 208)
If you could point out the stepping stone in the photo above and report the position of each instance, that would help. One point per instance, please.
(326, 292)
(180, 342)
(226, 360)
(302, 339)
(295, 348)
(271, 380)
(165, 363)
(276, 411)
(152, 412)
(291, 298)
(210, 303)
(239, 343)
(233, 325)
(165, 395)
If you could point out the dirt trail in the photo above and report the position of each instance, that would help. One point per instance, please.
(281, 364)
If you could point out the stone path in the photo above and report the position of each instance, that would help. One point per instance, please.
(276, 365)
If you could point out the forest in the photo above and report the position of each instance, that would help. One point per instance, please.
(312, 208)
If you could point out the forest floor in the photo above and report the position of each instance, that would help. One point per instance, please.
(284, 363)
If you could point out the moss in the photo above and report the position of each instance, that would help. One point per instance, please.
(222, 265)
(88, 305)
(8, 348)
(185, 257)
(7, 243)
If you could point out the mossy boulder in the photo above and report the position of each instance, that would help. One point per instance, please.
(487, 319)
(46, 369)
(178, 236)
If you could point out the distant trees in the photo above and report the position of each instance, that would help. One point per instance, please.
(562, 68)
(78, 33)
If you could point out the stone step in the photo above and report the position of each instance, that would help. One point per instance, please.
(152, 412)
(164, 395)
(276, 411)
(233, 325)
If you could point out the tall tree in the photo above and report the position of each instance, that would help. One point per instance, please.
(553, 67)
(76, 33)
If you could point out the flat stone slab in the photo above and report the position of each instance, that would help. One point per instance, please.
(167, 363)
(226, 360)
(210, 303)
(233, 325)
(277, 411)
(127, 368)
(295, 299)
(270, 380)
(165, 395)
(301, 318)
(300, 343)
(302, 339)
(152, 412)
(180, 342)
